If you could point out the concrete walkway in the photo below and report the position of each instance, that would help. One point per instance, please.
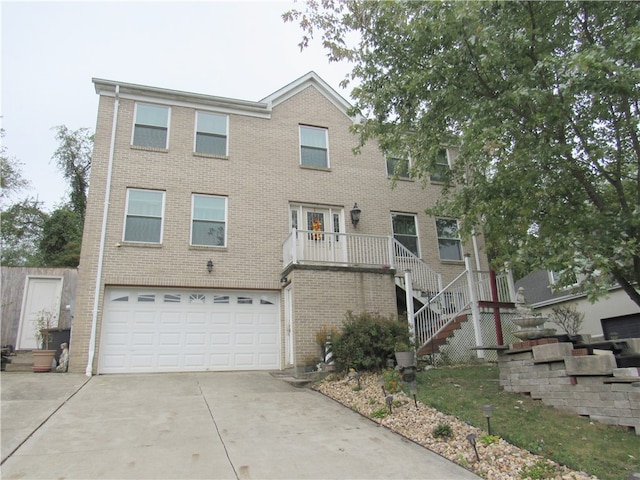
(240, 425)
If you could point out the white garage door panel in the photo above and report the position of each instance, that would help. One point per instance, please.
(168, 330)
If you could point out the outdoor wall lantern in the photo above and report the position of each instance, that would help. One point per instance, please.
(355, 215)
(488, 410)
(209, 266)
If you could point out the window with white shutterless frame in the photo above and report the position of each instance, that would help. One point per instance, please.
(212, 133)
(449, 244)
(443, 166)
(314, 150)
(151, 126)
(208, 220)
(144, 216)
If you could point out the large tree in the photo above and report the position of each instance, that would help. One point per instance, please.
(61, 238)
(541, 99)
(21, 226)
(73, 157)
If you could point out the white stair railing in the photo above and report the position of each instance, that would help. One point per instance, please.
(424, 278)
(442, 309)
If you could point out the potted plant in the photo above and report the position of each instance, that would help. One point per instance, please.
(405, 351)
(570, 320)
(43, 358)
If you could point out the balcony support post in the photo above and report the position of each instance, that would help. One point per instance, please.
(475, 309)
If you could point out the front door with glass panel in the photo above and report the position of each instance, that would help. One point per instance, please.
(319, 238)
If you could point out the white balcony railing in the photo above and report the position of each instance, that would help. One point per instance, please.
(307, 246)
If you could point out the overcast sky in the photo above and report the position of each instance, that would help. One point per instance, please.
(52, 50)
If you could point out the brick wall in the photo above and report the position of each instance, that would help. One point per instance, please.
(261, 177)
(324, 295)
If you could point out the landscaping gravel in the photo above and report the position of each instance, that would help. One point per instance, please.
(498, 461)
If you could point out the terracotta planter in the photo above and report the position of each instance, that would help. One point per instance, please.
(42, 360)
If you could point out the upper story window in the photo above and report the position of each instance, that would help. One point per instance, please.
(398, 166)
(151, 126)
(211, 133)
(209, 221)
(449, 243)
(405, 231)
(313, 147)
(443, 166)
(145, 210)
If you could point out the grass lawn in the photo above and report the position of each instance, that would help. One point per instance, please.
(606, 451)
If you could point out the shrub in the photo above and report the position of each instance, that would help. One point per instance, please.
(366, 341)
(442, 430)
(568, 318)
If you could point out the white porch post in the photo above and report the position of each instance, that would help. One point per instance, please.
(475, 310)
(408, 287)
(294, 246)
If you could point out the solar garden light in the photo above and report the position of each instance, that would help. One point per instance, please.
(472, 440)
(413, 388)
(357, 377)
(488, 410)
(389, 400)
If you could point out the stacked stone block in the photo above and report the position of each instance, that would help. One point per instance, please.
(588, 385)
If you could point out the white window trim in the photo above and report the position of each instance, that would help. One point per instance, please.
(126, 215)
(195, 132)
(135, 117)
(226, 219)
(435, 224)
(409, 165)
(448, 155)
(326, 141)
(415, 223)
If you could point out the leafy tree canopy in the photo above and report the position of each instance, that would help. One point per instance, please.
(11, 179)
(541, 99)
(73, 157)
(21, 227)
(61, 238)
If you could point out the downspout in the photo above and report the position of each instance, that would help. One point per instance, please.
(103, 236)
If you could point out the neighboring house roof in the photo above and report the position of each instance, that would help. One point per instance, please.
(539, 291)
(261, 108)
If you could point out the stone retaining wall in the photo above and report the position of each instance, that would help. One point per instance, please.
(589, 385)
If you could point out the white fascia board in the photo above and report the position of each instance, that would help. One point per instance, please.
(184, 99)
(310, 79)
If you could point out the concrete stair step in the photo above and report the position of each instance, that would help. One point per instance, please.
(22, 361)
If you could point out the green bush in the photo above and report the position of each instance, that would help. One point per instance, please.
(366, 341)
(442, 430)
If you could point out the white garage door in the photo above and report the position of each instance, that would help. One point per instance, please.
(165, 330)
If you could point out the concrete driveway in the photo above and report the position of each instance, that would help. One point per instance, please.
(240, 425)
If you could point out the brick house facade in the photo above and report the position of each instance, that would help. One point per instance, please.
(190, 214)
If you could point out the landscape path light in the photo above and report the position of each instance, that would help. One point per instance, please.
(472, 440)
(389, 400)
(488, 410)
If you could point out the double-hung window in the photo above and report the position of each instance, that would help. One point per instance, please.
(449, 243)
(211, 133)
(145, 210)
(398, 166)
(443, 167)
(151, 127)
(405, 231)
(313, 147)
(209, 221)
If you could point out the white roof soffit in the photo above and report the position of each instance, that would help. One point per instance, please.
(310, 79)
(181, 98)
